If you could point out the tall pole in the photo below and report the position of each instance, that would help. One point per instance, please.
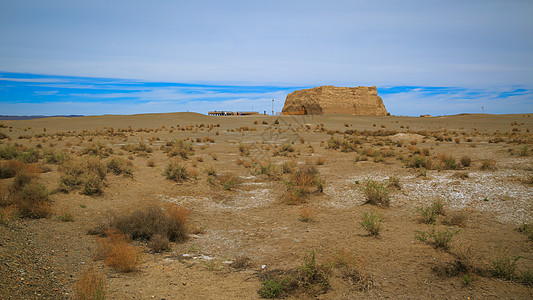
(483, 109)
(272, 106)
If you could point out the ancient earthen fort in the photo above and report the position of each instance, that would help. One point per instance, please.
(360, 100)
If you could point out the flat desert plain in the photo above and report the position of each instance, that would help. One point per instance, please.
(188, 206)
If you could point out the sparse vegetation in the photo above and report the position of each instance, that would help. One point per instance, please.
(302, 183)
(376, 192)
(438, 239)
(371, 222)
(429, 213)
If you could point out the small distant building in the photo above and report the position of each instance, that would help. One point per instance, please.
(230, 113)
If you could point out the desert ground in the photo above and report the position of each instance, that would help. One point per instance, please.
(267, 206)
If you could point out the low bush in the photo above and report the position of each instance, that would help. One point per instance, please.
(55, 157)
(447, 162)
(371, 222)
(302, 183)
(11, 168)
(159, 243)
(117, 252)
(466, 161)
(228, 181)
(176, 171)
(141, 149)
(418, 161)
(90, 286)
(145, 223)
(488, 165)
(97, 149)
(179, 148)
(65, 216)
(376, 193)
(86, 174)
(25, 198)
(118, 166)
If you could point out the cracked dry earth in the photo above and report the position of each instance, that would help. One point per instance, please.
(44, 258)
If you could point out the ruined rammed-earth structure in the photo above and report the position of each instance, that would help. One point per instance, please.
(360, 100)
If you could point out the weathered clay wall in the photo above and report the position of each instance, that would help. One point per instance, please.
(335, 100)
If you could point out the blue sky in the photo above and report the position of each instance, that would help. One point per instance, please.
(125, 57)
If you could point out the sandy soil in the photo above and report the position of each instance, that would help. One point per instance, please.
(43, 259)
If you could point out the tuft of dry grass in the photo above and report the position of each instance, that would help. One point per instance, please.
(488, 165)
(241, 263)
(320, 160)
(90, 285)
(352, 269)
(117, 252)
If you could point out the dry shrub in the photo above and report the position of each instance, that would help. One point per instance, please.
(228, 181)
(86, 174)
(465, 161)
(320, 160)
(30, 198)
(117, 252)
(352, 268)
(241, 263)
(307, 213)
(11, 168)
(159, 243)
(176, 171)
(118, 166)
(151, 220)
(488, 164)
(8, 214)
(447, 161)
(466, 257)
(179, 148)
(302, 183)
(90, 286)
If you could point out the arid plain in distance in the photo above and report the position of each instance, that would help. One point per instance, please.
(243, 207)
